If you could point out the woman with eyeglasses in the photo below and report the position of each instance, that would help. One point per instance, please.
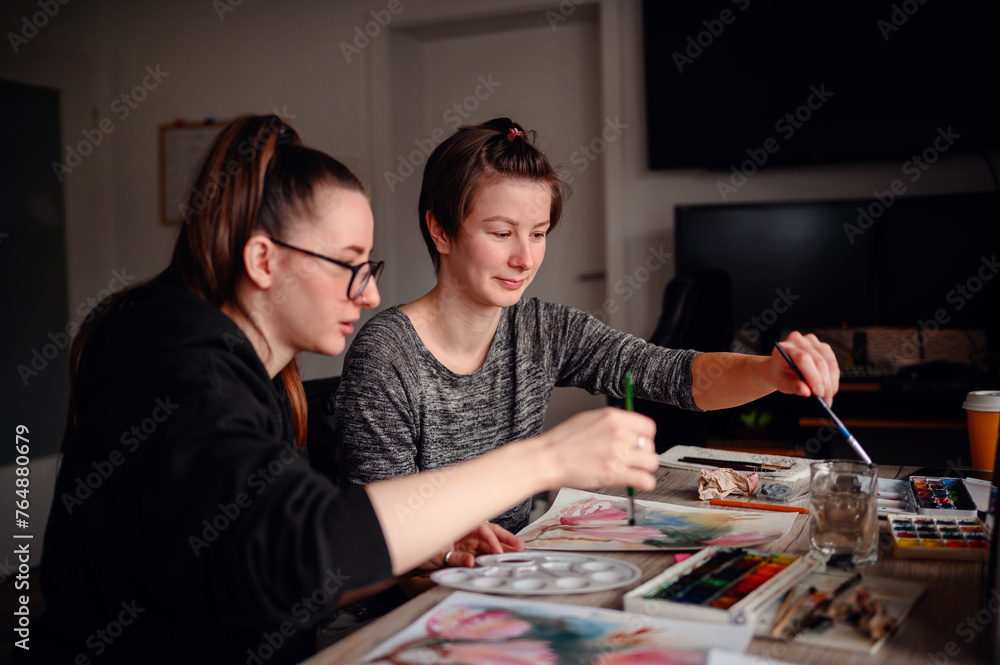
(186, 527)
(471, 365)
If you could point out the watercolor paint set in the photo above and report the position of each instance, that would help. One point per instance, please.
(944, 497)
(925, 537)
(540, 573)
(924, 495)
(719, 584)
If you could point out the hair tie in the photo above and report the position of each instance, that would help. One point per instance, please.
(513, 134)
(285, 138)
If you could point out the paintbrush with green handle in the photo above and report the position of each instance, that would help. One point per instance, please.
(629, 407)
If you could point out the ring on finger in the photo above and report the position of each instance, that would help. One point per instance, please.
(448, 556)
(640, 443)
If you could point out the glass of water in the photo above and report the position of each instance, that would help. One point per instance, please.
(843, 515)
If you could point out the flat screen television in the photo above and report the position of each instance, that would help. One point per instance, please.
(812, 82)
(832, 264)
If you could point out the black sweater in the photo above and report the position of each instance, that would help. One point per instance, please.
(185, 528)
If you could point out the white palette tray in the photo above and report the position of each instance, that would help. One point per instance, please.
(540, 573)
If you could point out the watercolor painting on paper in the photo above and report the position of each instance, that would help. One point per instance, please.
(581, 520)
(472, 628)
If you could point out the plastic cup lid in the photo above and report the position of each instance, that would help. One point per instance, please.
(982, 400)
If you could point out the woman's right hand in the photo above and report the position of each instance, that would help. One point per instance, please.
(603, 448)
(591, 450)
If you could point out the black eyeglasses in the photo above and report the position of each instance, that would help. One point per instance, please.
(360, 274)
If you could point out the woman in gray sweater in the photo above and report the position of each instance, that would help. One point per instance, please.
(470, 366)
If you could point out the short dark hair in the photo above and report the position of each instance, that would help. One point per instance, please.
(473, 157)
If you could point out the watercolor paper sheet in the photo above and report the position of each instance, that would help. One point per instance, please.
(581, 520)
(472, 628)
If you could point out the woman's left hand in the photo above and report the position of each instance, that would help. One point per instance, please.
(816, 361)
(487, 538)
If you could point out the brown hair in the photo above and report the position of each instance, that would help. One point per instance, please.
(473, 157)
(255, 178)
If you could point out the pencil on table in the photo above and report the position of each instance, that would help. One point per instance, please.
(758, 506)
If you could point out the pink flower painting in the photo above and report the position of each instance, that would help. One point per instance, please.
(585, 521)
(511, 652)
(473, 629)
(475, 624)
(650, 656)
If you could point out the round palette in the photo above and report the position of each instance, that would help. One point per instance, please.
(539, 573)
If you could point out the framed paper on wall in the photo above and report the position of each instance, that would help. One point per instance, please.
(182, 147)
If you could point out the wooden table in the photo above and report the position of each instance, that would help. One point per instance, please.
(942, 628)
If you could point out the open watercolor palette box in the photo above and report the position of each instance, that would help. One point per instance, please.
(720, 584)
(925, 537)
(923, 495)
(943, 497)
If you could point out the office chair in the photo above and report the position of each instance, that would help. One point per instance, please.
(696, 315)
(321, 448)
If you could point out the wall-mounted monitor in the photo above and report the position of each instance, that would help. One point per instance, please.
(789, 82)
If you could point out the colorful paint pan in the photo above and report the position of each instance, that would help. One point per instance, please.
(942, 497)
(929, 538)
(723, 584)
(725, 579)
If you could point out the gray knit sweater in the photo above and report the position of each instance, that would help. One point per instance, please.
(400, 411)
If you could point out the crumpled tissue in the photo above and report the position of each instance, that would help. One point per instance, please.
(719, 483)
